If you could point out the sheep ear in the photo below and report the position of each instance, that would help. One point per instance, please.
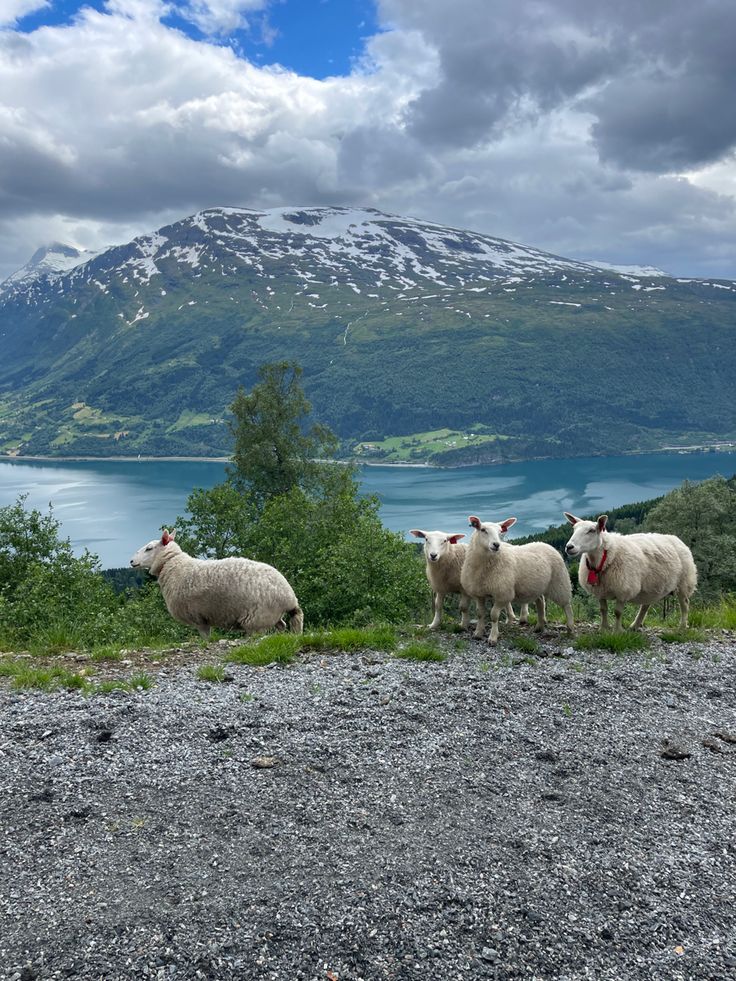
(172, 534)
(166, 537)
(454, 539)
(571, 517)
(505, 525)
(602, 522)
(417, 533)
(472, 520)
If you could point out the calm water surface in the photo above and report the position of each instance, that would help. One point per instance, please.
(111, 507)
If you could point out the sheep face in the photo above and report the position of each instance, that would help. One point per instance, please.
(488, 534)
(586, 535)
(147, 554)
(436, 543)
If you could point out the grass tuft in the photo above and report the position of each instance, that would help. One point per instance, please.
(526, 644)
(211, 672)
(682, 636)
(284, 647)
(420, 651)
(628, 640)
(277, 647)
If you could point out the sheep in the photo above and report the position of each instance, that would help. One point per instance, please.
(505, 572)
(230, 594)
(444, 559)
(639, 568)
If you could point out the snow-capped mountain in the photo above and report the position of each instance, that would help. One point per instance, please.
(401, 326)
(388, 252)
(48, 262)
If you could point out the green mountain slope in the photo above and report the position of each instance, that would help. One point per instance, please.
(401, 327)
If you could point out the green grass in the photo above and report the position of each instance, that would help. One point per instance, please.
(211, 672)
(23, 674)
(420, 651)
(682, 636)
(628, 640)
(526, 644)
(278, 647)
(283, 648)
(106, 654)
(415, 446)
(57, 638)
(721, 614)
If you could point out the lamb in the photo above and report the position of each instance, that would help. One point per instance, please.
(639, 568)
(444, 559)
(505, 572)
(230, 594)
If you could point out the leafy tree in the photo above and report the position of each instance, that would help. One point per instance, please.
(703, 515)
(274, 449)
(286, 502)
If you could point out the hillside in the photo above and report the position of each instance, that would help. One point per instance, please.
(402, 327)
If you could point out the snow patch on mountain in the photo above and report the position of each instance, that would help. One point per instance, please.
(647, 272)
(51, 261)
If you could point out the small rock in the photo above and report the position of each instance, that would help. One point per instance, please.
(489, 954)
(218, 733)
(546, 755)
(725, 735)
(714, 745)
(674, 751)
(532, 915)
(264, 762)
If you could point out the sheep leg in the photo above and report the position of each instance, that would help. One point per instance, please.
(604, 615)
(523, 614)
(510, 615)
(619, 612)
(480, 627)
(464, 611)
(204, 630)
(684, 601)
(438, 600)
(495, 614)
(569, 618)
(541, 615)
(639, 621)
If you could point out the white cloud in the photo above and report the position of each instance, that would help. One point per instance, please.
(116, 123)
(12, 10)
(215, 17)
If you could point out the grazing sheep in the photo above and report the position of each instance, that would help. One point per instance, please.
(640, 568)
(443, 562)
(527, 573)
(230, 594)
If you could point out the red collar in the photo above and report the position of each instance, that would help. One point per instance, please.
(594, 574)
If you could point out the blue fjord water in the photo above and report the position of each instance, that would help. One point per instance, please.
(113, 506)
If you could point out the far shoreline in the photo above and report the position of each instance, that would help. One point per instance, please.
(721, 446)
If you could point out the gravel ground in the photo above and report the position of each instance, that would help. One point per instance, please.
(358, 816)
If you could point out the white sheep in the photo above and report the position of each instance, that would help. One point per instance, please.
(507, 573)
(640, 568)
(444, 559)
(230, 594)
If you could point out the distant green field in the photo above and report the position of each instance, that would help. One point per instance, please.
(418, 447)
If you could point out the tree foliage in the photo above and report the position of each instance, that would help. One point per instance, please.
(287, 503)
(275, 449)
(704, 516)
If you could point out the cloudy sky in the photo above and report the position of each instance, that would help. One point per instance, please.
(592, 129)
